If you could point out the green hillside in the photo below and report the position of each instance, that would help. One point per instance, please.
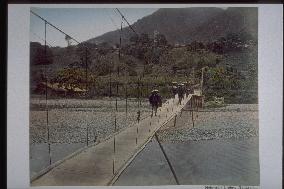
(145, 62)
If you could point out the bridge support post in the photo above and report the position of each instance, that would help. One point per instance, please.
(175, 120)
(192, 119)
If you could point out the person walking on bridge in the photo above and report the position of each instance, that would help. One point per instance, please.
(155, 100)
(180, 92)
(174, 88)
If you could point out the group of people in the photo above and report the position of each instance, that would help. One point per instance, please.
(155, 98)
(181, 90)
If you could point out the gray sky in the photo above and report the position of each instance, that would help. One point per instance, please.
(80, 23)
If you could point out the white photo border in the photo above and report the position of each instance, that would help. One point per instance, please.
(270, 78)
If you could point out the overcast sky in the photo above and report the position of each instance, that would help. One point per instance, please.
(80, 23)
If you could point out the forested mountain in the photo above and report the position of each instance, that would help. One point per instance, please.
(184, 25)
(187, 40)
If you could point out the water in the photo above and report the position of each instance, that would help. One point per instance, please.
(148, 168)
(215, 162)
(39, 155)
(68, 120)
(218, 161)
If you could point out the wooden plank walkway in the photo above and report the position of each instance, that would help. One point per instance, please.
(98, 165)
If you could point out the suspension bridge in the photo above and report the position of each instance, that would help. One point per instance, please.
(124, 132)
(102, 163)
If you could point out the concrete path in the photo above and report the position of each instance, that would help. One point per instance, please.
(101, 164)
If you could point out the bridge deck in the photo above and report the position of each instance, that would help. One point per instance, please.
(94, 165)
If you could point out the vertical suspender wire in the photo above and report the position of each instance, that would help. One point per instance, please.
(126, 77)
(110, 82)
(115, 128)
(123, 18)
(137, 113)
(141, 92)
(138, 103)
(86, 70)
(46, 106)
(119, 60)
(86, 86)
(126, 95)
(114, 147)
(116, 109)
(110, 95)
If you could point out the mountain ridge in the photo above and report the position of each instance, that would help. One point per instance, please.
(184, 25)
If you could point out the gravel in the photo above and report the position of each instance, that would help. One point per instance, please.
(68, 120)
(230, 122)
(196, 134)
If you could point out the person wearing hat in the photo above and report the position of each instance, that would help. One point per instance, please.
(155, 100)
(174, 91)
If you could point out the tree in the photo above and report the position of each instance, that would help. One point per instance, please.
(232, 37)
(40, 55)
(144, 38)
(104, 48)
(73, 77)
(84, 54)
(161, 40)
(221, 82)
(134, 39)
(174, 69)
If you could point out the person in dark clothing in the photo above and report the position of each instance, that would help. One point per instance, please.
(180, 92)
(187, 88)
(174, 91)
(174, 88)
(155, 100)
(187, 92)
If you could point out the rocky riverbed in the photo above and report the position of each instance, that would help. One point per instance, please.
(70, 120)
(230, 122)
(73, 122)
(196, 134)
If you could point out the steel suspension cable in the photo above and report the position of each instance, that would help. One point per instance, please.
(113, 22)
(167, 159)
(123, 17)
(55, 27)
